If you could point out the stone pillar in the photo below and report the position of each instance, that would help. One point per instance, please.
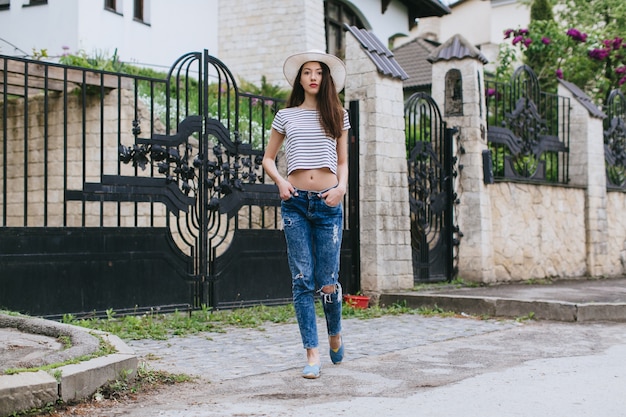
(385, 235)
(256, 37)
(458, 89)
(588, 170)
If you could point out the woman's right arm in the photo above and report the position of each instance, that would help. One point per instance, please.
(285, 189)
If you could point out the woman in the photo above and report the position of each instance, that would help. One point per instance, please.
(314, 127)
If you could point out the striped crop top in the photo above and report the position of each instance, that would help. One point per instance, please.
(306, 144)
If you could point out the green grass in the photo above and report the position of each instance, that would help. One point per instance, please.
(146, 378)
(160, 326)
(455, 283)
(529, 317)
(539, 281)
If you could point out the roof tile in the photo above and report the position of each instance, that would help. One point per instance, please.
(380, 55)
(413, 57)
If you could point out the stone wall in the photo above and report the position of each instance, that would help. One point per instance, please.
(538, 231)
(588, 170)
(616, 245)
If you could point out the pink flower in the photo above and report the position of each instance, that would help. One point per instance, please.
(546, 40)
(622, 81)
(492, 92)
(517, 39)
(523, 31)
(617, 43)
(508, 33)
(599, 54)
(527, 42)
(576, 35)
(559, 74)
(620, 70)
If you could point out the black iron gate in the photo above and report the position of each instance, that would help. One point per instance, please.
(431, 168)
(615, 141)
(149, 195)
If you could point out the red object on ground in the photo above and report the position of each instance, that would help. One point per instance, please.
(356, 301)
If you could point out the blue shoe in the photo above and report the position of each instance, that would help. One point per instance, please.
(337, 355)
(312, 371)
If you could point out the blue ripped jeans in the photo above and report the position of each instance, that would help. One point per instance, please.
(313, 231)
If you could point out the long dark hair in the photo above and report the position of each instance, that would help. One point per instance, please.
(328, 103)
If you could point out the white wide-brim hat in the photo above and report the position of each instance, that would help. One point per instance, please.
(294, 62)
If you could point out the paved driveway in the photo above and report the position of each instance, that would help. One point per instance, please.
(405, 365)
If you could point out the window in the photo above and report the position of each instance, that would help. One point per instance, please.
(138, 13)
(113, 6)
(141, 11)
(336, 14)
(454, 93)
(5, 4)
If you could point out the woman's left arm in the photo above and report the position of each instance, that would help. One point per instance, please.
(334, 196)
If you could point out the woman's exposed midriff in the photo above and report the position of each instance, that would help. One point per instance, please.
(317, 179)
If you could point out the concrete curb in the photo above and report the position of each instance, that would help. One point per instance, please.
(32, 390)
(25, 391)
(83, 379)
(511, 308)
(602, 312)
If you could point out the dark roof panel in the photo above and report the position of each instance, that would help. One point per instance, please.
(380, 55)
(457, 47)
(583, 99)
(426, 8)
(413, 57)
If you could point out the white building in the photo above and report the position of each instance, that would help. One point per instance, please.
(481, 22)
(251, 37)
(153, 32)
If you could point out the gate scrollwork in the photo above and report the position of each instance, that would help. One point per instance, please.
(431, 196)
(527, 130)
(225, 168)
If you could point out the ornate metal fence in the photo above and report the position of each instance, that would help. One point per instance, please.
(528, 130)
(615, 140)
(130, 193)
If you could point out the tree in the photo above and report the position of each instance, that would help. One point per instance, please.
(605, 23)
(542, 21)
(582, 44)
(541, 10)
